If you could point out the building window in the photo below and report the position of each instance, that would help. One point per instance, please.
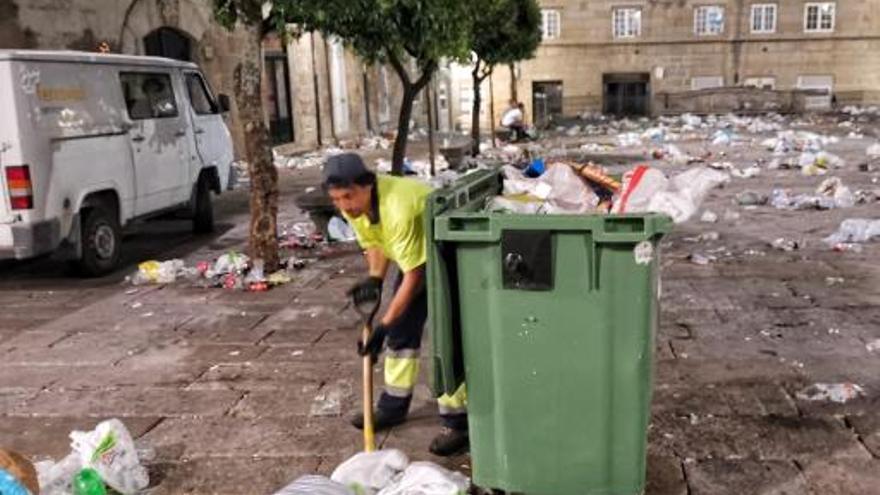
(708, 20)
(550, 24)
(627, 23)
(760, 82)
(764, 18)
(819, 17)
(706, 82)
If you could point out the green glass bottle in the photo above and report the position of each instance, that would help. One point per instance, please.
(88, 482)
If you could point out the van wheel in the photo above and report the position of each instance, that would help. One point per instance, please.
(101, 242)
(203, 219)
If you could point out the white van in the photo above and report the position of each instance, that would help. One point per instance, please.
(92, 142)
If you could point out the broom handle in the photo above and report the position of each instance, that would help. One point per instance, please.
(369, 434)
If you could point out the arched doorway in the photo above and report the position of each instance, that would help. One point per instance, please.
(168, 42)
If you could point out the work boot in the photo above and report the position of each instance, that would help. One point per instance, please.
(449, 442)
(382, 419)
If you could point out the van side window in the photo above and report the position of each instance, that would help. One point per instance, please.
(199, 97)
(148, 95)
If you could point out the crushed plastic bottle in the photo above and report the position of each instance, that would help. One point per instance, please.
(329, 400)
(855, 230)
(834, 392)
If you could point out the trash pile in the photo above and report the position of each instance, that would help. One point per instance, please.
(232, 271)
(385, 472)
(570, 188)
(103, 458)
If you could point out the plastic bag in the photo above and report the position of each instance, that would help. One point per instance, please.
(369, 472)
(559, 186)
(157, 272)
(56, 478)
(680, 197)
(426, 478)
(340, 230)
(833, 188)
(314, 485)
(873, 151)
(855, 230)
(230, 262)
(110, 450)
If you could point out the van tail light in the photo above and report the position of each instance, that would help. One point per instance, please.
(21, 191)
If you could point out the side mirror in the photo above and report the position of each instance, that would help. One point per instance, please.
(223, 102)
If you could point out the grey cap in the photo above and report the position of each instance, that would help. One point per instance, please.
(343, 170)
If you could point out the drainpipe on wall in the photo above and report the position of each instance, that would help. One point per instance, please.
(367, 99)
(317, 91)
(330, 92)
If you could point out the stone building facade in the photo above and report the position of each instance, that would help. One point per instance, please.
(623, 56)
(313, 89)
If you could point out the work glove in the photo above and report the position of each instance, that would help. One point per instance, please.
(368, 290)
(374, 345)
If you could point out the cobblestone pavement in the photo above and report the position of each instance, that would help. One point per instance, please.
(223, 386)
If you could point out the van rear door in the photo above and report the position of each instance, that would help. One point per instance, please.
(213, 141)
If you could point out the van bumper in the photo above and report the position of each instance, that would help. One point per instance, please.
(26, 241)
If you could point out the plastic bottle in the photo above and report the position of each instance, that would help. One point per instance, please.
(88, 482)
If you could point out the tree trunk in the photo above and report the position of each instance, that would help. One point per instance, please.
(406, 107)
(475, 113)
(263, 175)
(492, 111)
(431, 151)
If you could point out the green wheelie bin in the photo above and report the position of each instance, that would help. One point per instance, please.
(550, 320)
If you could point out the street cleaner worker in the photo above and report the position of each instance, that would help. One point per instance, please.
(386, 214)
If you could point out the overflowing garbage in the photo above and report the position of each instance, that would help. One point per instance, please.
(103, 456)
(385, 472)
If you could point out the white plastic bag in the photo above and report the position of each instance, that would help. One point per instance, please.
(369, 472)
(55, 478)
(426, 478)
(110, 450)
(855, 230)
(647, 189)
(639, 185)
(340, 230)
(314, 485)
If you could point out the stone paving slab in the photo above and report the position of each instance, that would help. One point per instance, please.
(736, 477)
(127, 402)
(239, 475)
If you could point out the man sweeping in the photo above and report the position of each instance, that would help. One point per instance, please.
(386, 214)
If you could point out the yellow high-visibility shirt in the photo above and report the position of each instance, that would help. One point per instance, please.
(400, 232)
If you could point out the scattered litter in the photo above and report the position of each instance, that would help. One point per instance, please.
(108, 449)
(751, 198)
(832, 281)
(314, 485)
(17, 474)
(873, 345)
(158, 272)
(854, 230)
(873, 151)
(426, 478)
(702, 259)
(329, 400)
(833, 187)
(834, 392)
(709, 217)
(369, 472)
(339, 230)
(784, 244)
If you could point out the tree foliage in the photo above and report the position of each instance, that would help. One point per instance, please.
(502, 32)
